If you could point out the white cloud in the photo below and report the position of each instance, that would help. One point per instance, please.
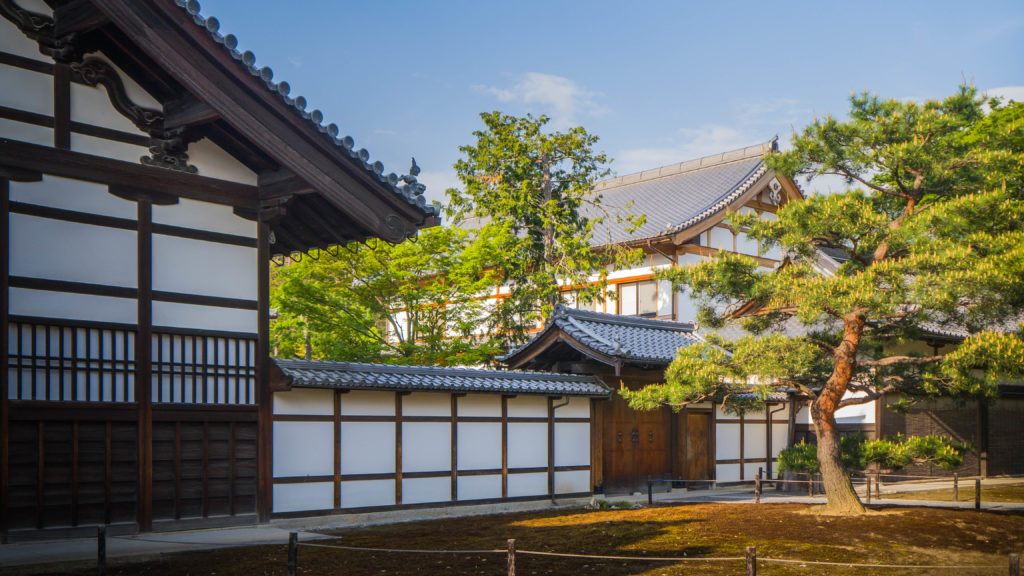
(1015, 93)
(689, 143)
(437, 183)
(558, 97)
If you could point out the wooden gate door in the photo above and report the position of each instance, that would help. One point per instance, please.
(697, 446)
(636, 445)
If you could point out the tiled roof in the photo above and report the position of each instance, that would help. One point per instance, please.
(359, 376)
(628, 338)
(405, 186)
(679, 196)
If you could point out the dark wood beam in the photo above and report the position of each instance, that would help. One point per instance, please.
(68, 164)
(187, 111)
(280, 184)
(76, 16)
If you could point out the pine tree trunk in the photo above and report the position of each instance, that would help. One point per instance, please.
(841, 498)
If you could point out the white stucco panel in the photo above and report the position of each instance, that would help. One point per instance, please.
(572, 444)
(754, 438)
(13, 41)
(188, 266)
(23, 302)
(367, 447)
(363, 493)
(727, 472)
(304, 401)
(427, 404)
(107, 148)
(478, 487)
(527, 484)
(75, 195)
(422, 490)
(23, 132)
(578, 407)
(527, 445)
(427, 446)
(368, 403)
(34, 90)
(302, 497)
(84, 253)
(528, 407)
(572, 482)
(213, 162)
(303, 449)
(479, 446)
(204, 216)
(479, 405)
(727, 441)
(204, 317)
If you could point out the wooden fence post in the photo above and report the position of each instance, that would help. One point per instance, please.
(293, 553)
(878, 486)
(1014, 564)
(757, 487)
(868, 478)
(810, 484)
(511, 557)
(956, 486)
(977, 493)
(101, 550)
(751, 561)
(650, 492)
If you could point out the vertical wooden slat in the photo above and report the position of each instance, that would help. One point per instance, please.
(231, 468)
(455, 446)
(398, 448)
(144, 368)
(4, 346)
(177, 470)
(74, 364)
(743, 427)
(88, 364)
(21, 355)
(264, 398)
(101, 370)
(551, 446)
(40, 474)
(216, 371)
(337, 448)
(60, 359)
(47, 371)
(74, 473)
(206, 369)
(238, 370)
(504, 446)
(32, 350)
(107, 472)
(124, 366)
(62, 106)
(206, 469)
(194, 369)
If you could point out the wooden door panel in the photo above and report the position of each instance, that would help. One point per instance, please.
(697, 463)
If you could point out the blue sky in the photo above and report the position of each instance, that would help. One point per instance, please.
(659, 81)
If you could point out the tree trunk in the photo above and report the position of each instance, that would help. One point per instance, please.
(842, 499)
(838, 489)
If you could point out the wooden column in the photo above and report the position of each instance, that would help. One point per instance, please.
(143, 367)
(983, 438)
(264, 398)
(62, 106)
(551, 446)
(455, 446)
(504, 446)
(768, 439)
(398, 447)
(4, 271)
(337, 449)
(743, 442)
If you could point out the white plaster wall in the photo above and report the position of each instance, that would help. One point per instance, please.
(368, 403)
(204, 216)
(479, 487)
(363, 493)
(856, 414)
(572, 444)
(25, 302)
(750, 469)
(204, 317)
(188, 266)
(213, 162)
(34, 90)
(421, 490)
(745, 244)
(73, 195)
(91, 105)
(528, 407)
(727, 472)
(303, 448)
(13, 41)
(727, 441)
(479, 445)
(301, 497)
(578, 407)
(572, 482)
(527, 484)
(780, 438)
(367, 447)
(479, 405)
(627, 300)
(720, 238)
(427, 404)
(686, 308)
(23, 132)
(803, 415)
(664, 298)
(527, 445)
(754, 440)
(107, 148)
(304, 401)
(84, 253)
(426, 446)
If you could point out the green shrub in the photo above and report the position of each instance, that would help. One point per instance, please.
(893, 453)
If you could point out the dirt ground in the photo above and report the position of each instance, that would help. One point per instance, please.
(791, 531)
(965, 493)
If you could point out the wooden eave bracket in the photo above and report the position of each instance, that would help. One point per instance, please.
(279, 381)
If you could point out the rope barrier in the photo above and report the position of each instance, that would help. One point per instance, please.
(648, 558)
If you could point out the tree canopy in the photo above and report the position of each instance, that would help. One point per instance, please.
(933, 234)
(529, 194)
(410, 303)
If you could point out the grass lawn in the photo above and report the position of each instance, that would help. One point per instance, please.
(886, 535)
(996, 493)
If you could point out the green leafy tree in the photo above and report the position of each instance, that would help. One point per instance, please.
(937, 235)
(410, 303)
(530, 195)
